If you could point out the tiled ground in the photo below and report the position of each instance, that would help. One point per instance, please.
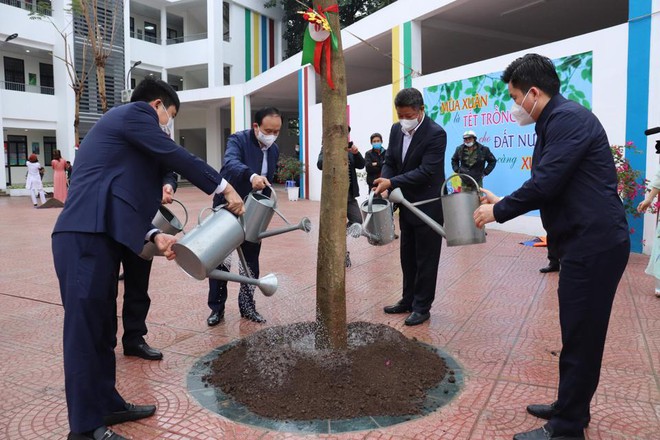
(493, 312)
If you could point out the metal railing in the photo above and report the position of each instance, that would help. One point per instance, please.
(28, 5)
(141, 36)
(187, 38)
(22, 87)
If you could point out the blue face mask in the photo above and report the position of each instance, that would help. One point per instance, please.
(377, 146)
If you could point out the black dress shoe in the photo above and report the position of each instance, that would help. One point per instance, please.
(397, 308)
(101, 433)
(143, 351)
(131, 413)
(215, 318)
(544, 433)
(546, 412)
(253, 316)
(549, 268)
(416, 318)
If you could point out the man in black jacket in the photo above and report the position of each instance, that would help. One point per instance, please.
(574, 184)
(355, 161)
(374, 159)
(473, 159)
(414, 162)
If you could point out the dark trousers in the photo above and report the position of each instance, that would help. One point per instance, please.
(136, 298)
(353, 211)
(552, 258)
(587, 286)
(218, 288)
(87, 266)
(420, 256)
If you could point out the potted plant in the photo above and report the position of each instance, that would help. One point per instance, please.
(289, 169)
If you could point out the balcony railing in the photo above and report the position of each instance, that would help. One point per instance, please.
(22, 87)
(187, 38)
(147, 38)
(29, 5)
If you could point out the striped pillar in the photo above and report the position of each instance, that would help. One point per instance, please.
(405, 56)
(306, 99)
(637, 105)
(259, 44)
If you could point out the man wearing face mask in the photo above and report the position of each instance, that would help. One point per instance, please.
(414, 162)
(374, 159)
(113, 196)
(473, 159)
(574, 184)
(250, 161)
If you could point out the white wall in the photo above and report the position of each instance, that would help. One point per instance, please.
(372, 110)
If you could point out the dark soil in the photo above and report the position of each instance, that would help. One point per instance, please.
(278, 374)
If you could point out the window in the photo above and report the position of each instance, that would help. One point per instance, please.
(14, 74)
(225, 22)
(150, 32)
(132, 27)
(172, 35)
(226, 74)
(49, 145)
(17, 150)
(46, 79)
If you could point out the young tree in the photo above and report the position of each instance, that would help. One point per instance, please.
(77, 76)
(100, 18)
(331, 269)
(350, 11)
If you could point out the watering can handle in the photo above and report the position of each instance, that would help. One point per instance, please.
(273, 195)
(444, 184)
(184, 210)
(216, 209)
(371, 202)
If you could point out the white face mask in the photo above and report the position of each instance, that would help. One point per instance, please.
(266, 139)
(408, 124)
(469, 144)
(167, 128)
(521, 115)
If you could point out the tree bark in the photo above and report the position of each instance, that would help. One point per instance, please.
(331, 269)
(100, 80)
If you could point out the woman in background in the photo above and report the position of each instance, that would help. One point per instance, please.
(59, 176)
(33, 180)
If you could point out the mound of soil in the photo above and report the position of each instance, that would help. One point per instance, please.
(278, 374)
(51, 203)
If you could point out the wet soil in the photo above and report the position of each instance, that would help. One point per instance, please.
(278, 374)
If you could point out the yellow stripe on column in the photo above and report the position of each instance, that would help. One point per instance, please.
(256, 43)
(396, 68)
(233, 114)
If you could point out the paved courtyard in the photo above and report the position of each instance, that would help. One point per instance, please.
(494, 313)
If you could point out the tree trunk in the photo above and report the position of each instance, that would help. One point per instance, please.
(331, 269)
(76, 116)
(100, 81)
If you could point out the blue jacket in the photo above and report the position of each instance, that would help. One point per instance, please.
(573, 183)
(117, 186)
(243, 157)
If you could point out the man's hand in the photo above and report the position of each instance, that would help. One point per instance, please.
(234, 201)
(164, 244)
(259, 183)
(382, 184)
(354, 149)
(483, 215)
(168, 194)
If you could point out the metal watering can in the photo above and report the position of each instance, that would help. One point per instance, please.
(458, 208)
(259, 211)
(167, 222)
(210, 243)
(377, 221)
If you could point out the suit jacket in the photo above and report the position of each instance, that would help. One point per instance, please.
(573, 182)
(355, 161)
(421, 174)
(243, 157)
(117, 186)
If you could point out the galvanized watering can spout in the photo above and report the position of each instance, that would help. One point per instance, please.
(396, 196)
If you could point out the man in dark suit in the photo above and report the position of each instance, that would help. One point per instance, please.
(574, 184)
(250, 162)
(135, 309)
(415, 162)
(112, 199)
